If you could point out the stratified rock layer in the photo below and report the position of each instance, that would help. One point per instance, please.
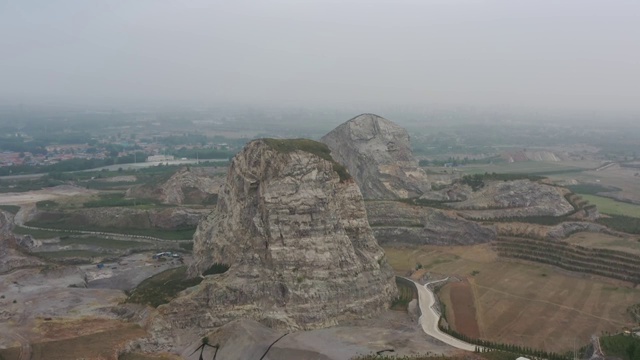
(296, 237)
(394, 222)
(186, 186)
(519, 198)
(378, 154)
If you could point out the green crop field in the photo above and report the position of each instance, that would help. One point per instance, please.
(613, 207)
(524, 167)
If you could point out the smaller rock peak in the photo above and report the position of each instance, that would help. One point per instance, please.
(371, 126)
(377, 152)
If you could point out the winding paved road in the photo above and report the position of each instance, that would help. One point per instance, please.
(430, 317)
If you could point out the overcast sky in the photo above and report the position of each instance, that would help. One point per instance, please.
(572, 54)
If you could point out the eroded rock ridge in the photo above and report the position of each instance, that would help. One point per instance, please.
(378, 154)
(292, 226)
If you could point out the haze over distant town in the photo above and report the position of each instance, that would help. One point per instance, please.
(541, 55)
(337, 180)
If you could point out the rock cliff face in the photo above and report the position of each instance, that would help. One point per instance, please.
(378, 154)
(292, 226)
(395, 222)
(512, 199)
(186, 186)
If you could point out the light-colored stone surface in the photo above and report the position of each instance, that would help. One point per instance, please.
(301, 251)
(378, 154)
(513, 198)
(246, 339)
(395, 222)
(186, 186)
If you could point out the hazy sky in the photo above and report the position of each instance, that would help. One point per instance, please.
(582, 54)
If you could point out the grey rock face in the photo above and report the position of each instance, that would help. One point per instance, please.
(395, 222)
(378, 154)
(513, 198)
(186, 186)
(296, 237)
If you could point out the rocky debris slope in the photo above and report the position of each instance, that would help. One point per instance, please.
(378, 154)
(555, 232)
(293, 227)
(186, 186)
(10, 257)
(397, 222)
(512, 199)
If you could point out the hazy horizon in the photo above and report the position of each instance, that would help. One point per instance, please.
(565, 56)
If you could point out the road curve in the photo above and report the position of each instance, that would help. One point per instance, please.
(430, 318)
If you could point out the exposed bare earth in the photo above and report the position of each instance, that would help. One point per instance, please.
(31, 197)
(246, 339)
(525, 303)
(462, 312)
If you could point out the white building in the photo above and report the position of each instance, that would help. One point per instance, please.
(154, 158)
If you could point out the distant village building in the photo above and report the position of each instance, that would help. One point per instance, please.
(154, 158)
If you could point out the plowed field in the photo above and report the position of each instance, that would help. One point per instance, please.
(525, 303)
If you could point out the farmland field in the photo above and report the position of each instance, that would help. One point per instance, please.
(461, 312)
(526, 167)
(614, 176)
(525, 303)
(603, 241)
(612, 207)
(102, 345)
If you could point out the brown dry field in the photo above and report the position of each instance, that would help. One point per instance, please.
(461, 311)
(630, 244)
(99, 345)
(526, 303)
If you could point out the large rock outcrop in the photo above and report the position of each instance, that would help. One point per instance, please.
(394, 222)
(186, 186)
(378, 154)
(292, 226)
(505, 199)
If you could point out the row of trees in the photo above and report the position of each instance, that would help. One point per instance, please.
(599, 263)
(486, 346)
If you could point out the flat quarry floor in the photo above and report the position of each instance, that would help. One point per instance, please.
(32, 299)
(128, 272)
(521, 303)
(47, 313)
(388, 330)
